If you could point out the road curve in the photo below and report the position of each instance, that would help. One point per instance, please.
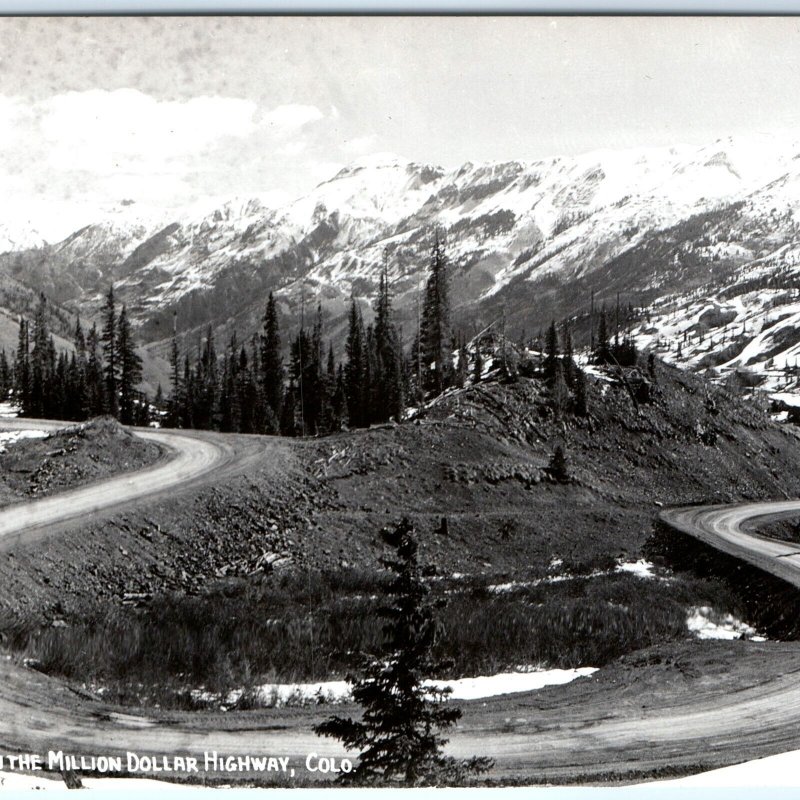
(731, 529)
(186, 458)
(609, 724)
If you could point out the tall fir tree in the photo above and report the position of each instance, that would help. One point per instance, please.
(95, 386)
(389, 390)
(355, 370)
(602, 351)
(130, 370)
(435, 329)
(551, 354)
(108, 338)
(271, 360)
(176, 400)
(22, 375)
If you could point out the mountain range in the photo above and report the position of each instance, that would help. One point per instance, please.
(703, 238)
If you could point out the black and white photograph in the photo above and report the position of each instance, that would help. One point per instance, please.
(399, 401)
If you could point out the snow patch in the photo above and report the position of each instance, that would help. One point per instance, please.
(640, 568)
(705, 624)
(523, 679)
(11, 437)
(9, 410)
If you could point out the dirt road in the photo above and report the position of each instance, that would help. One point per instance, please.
(730, 529)
(683, 707)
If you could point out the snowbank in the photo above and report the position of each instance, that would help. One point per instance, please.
(9, 410)
(10, 437)
(706, 625)
(640, 568)
(524, 679)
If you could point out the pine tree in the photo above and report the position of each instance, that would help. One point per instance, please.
(205, 393)
(388, 381)
(174, 413)
(559, 393)
(462, 371)
(109, 340)
(570, 367)
(6, 382)
(40, 372)
(399, 735)
(22, 384)
(551, 357)
(435, 334)
(355, 368)
(340, 409)
(271, 361)
(95, 387)
(602, 351)
(130, 369)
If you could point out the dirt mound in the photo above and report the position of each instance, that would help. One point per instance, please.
(73, 456)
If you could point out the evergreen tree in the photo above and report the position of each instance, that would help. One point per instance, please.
(399, 734)
(6, 381)
(40, 371)
(109, 340)
(289, 423)
(462, 370)
(355, 368)
(271, 361)
(187, 410)
(176, 400)
(477, 367)
(95, 385)
(559, 393)
(130, 369)
(570, 367)
(22, 380)
(551, 357)
(435, 333)
(340, 409)
(602, 351)
(389, 390)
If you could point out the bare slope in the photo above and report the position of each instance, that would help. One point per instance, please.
(480, 457)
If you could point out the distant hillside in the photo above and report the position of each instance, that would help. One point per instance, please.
(527, 240)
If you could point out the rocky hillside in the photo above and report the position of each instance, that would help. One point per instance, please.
(477, 458)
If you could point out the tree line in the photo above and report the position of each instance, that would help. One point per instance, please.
(101, 375)
(250, 389)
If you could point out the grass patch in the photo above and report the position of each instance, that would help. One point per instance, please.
(299, 628)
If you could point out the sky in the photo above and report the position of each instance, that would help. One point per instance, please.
(160, 112)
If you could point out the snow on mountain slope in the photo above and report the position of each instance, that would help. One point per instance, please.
(686, 223)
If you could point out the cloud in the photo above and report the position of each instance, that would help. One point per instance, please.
(324, 170)
(100, 131)
(360, 145)
(92, 148)
(287, 119)
(293, 148)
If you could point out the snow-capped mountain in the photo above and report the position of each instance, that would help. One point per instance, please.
(530, 240)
